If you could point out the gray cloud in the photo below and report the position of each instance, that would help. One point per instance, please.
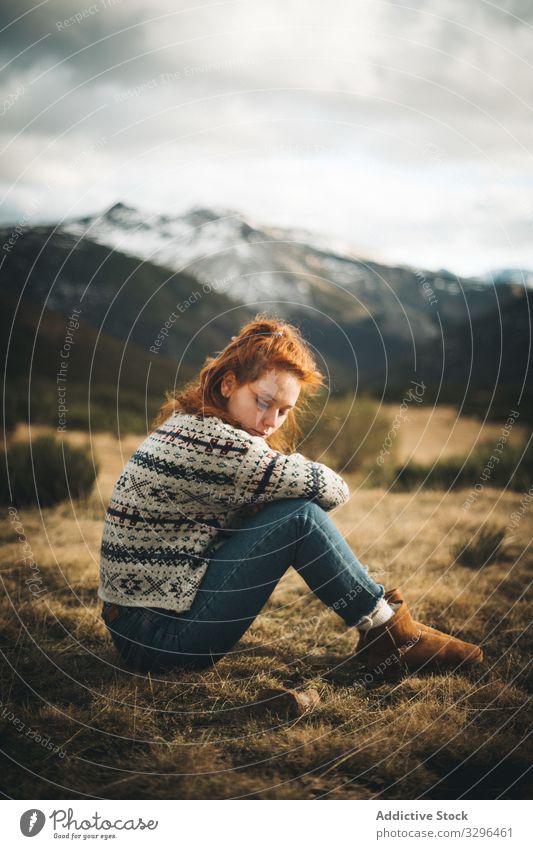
(437, 88)
(105, 34)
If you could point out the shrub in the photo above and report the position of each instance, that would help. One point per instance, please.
(480, 550)
(45, 472)
(105, 409)
(344, 434)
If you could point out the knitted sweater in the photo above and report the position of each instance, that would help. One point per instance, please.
(190, 480)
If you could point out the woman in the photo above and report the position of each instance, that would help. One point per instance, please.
(213, 508)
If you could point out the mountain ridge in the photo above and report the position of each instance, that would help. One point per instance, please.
(372, 327)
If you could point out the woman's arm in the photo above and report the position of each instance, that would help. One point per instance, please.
(265, 475)
(229, 467)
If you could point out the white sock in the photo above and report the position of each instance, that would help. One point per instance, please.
(382, 612)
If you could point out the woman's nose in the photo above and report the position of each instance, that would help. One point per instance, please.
(270, 419)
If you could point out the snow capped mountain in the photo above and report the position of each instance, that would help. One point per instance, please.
(217, 246)
(196, 234)
(371, 323)
(175, 242)
(247, 261)
(296, 272)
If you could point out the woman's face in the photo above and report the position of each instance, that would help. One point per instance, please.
(262, 406)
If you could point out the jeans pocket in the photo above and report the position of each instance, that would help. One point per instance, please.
(154, 617)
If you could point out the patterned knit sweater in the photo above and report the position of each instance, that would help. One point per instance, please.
(191, 479)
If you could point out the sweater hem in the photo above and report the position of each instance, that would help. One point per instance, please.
(126, 601)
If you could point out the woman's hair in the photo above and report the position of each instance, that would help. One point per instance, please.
(261, 344)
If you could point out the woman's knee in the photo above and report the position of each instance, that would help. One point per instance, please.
(284, 509)
(310, 509)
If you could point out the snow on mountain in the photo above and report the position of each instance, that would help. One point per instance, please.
(247, 261)
(219, 247)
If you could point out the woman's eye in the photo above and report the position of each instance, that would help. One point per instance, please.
(262, 404)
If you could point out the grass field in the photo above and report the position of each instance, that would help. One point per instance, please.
(76, 724)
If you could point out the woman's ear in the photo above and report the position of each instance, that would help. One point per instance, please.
(227, 384)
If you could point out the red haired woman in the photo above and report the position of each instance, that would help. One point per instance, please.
(215, 505)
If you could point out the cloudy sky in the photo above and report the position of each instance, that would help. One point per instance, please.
(400, 127)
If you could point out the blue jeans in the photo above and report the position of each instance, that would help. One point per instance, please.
(240, 578)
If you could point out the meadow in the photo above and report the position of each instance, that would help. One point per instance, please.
(77, 724)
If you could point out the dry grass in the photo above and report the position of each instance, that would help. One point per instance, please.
(486, 546)
(438, 432)
(195, 735)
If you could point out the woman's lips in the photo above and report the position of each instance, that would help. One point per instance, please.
(256, 433)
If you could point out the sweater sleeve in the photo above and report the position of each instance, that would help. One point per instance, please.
(266, 475)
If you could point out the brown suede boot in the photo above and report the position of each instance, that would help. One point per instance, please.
(393, 596)
(402, 645)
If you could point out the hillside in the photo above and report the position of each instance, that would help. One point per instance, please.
(103, 374)
(373, 327)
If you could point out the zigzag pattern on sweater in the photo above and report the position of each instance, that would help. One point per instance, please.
(187, 485)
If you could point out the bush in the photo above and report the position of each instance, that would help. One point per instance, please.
(45, 472)
(106, 409)
(482, 549)
(512, 469)
(344, 434)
